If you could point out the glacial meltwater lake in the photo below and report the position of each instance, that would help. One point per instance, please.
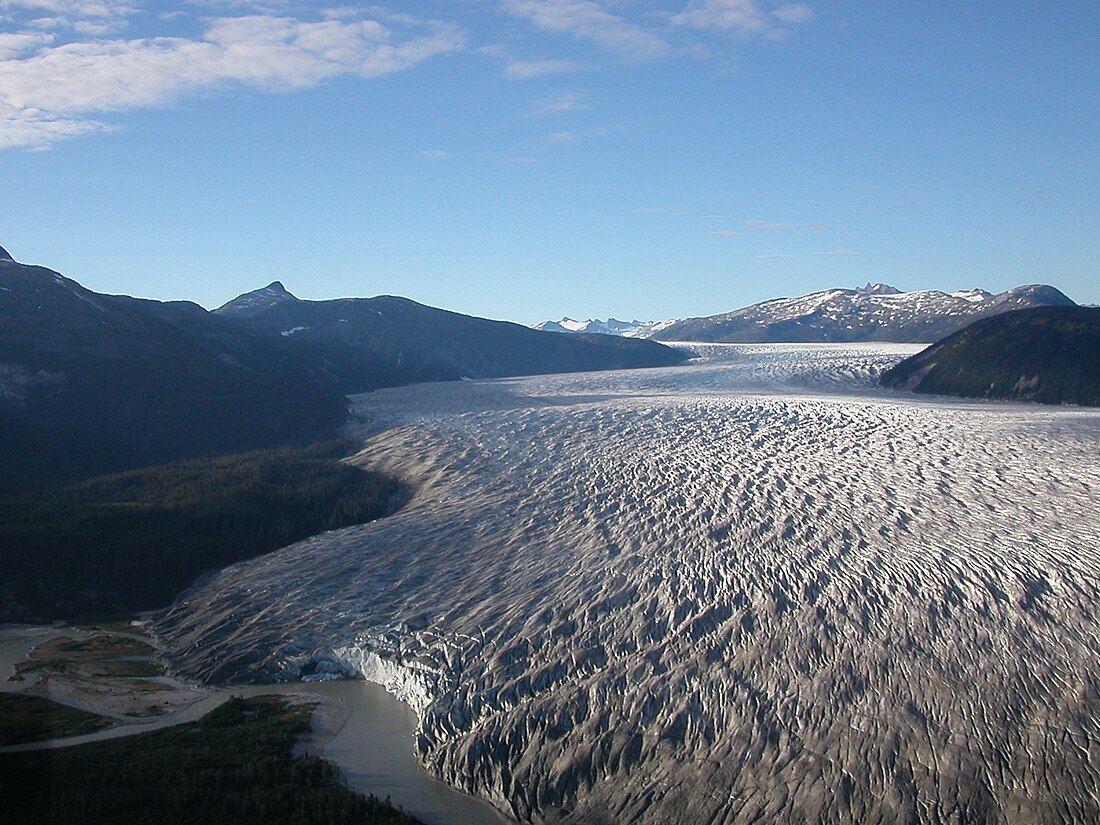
(374, 752)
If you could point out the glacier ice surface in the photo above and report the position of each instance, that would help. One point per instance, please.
(752, 588)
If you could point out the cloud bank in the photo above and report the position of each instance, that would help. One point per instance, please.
(51, 91)
(67, 64)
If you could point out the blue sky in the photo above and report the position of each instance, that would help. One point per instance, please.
(529, 159)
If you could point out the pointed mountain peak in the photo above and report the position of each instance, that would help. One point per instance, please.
(251, 303)
(276, 289)
(4, 256)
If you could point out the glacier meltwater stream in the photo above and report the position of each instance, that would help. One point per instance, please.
(752, 588)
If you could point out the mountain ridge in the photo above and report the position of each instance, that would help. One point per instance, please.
(385, 340)
(876, 312)
(93, 383)
(612, 326)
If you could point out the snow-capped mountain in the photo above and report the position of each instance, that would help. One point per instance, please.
(612, 326)
(255, 301)
(876, 312)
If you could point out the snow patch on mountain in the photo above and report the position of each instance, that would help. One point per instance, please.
(875, 312)
(252, 302)
(612, 326)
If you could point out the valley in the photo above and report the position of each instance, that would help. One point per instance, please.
(755, 586)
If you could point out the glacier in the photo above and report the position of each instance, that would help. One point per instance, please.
(752, 588)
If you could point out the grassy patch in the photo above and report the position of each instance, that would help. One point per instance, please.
(233, 766)
(32, 719)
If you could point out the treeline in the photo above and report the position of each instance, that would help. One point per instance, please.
(118, 544)
(233, 766)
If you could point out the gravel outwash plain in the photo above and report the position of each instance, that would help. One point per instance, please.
(755, 588)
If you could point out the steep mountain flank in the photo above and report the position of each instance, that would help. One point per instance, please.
(1050, 355)
(93, 383)
(373, 342)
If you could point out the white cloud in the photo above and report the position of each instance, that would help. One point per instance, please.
(35, 129)
(51, 92)
(13, 45)
(561, 137)
(587, 19)
(559, 104)
(434, 154)
(774, 257)
(769, 226)
(794, 13)
(840, 253)
(726, 233)
(528, 69)
(72, 8)
(744, 17)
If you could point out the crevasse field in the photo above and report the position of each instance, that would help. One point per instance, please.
(753, 588)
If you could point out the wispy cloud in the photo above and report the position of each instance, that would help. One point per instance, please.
(794, 13)
(840, 253)
(49, 92)
(775, 257)
(559, 104)
(726, 233)
(589, 20)
(13, 45)
(91, 18)
(562, 137)
(529, 69)
(434, 154)
(743, 16)
(769, 226)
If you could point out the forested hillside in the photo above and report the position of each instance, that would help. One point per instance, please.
(1049, 355)
(118, 544)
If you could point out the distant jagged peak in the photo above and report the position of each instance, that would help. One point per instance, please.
(4, 256)
(878, 289)
(258, 299)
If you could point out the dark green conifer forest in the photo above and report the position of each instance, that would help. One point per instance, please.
(234, 766)
(114, 545)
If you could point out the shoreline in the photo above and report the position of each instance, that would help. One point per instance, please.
(356, 725)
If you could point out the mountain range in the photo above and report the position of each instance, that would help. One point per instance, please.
(612, 326)
(876, 312)
(93, 383)
(364, 343)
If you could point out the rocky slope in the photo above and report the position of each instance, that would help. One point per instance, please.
(1050, 355)
(876, 312)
